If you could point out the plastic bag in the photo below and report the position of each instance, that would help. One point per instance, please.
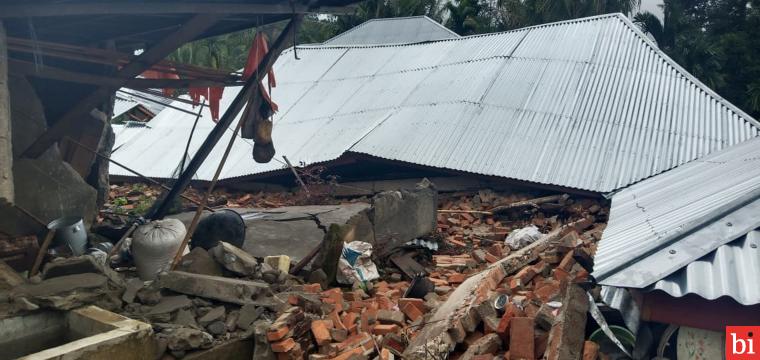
(154, 246)
(355, 264)
(521, 238)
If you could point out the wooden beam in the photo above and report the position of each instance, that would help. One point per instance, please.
(221, 127)
(6, 147)
(54, 73)
(99, 8)
(186, 33)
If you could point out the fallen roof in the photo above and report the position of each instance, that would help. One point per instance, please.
(689, 230)
(403, 30)
(590, 104)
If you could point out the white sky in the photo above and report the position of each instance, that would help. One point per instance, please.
(652, 6)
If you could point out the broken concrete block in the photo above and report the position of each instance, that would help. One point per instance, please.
(9, 278)
(198, 261)
(401, 216)
(565, 342)
(235, 259)
(132, 287)
(261, 348)
(488, 344)
(229, 290)
(170, 304)
(217, 328)
(185, 317)
(64, 292)
(392, 317)
(216, 314)
(279, 262)
(249, 314)
(184, 339)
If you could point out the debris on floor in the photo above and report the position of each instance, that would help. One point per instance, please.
(460, 292)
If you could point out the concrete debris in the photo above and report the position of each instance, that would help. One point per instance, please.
(401, 216)
(224, 289)
(425, 303)
(183, 339)
(234, 259)
(198, 261)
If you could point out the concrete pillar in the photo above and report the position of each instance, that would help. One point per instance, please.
(6, 148)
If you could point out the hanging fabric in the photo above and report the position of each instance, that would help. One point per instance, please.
(158, 74)
(196, 93)
(215, 95)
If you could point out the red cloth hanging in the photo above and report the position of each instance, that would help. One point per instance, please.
(256, 53)
(215, 94)
(156, 74)
(196, 94)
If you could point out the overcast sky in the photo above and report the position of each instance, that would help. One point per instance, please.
(651, 6)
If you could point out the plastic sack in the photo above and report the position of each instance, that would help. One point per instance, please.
(355, 264)
(519, 239)
(154, 246)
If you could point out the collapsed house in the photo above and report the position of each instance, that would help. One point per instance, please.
(588, 105)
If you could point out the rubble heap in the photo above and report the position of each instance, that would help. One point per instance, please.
(471, 296)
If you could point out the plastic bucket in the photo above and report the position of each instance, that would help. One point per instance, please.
(70, 231)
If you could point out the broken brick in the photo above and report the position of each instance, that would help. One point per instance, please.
(321, 332)
(277, 333)
(411, 311)
(283, 345)
(521, 341)
(382, 329)
(590, 350)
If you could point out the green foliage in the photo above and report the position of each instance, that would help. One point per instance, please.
(718, 41)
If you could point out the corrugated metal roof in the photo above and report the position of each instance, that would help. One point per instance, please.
(401, 30)
(730, 270)
(660, 228)
(126, 100)
(589, 104)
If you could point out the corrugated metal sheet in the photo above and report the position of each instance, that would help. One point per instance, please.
(126, 100)
(660, 228)
(588, 104)
(730, 270)
(403, 30)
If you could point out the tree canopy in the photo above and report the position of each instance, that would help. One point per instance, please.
(716, 40)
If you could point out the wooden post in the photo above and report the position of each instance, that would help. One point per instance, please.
(6, 146)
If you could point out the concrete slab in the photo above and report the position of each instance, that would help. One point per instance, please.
(85, 333)
(295, 230)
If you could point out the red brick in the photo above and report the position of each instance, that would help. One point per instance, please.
(418, 303)
(312, 288)
(561, 275)
(521, 340)
(293, 299)
(352, 296)
(386, 354)
(349, 321)
(321, 332)
(546, 292)
(522, 278)
(348, 354)
(456, 278)
(336, 320)
(472, 338)
(411, 311)
(277, 333)
(567, 262)
(382, 329)
(483, 357)
(590, 350)
(491, 258)
(283, 345)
